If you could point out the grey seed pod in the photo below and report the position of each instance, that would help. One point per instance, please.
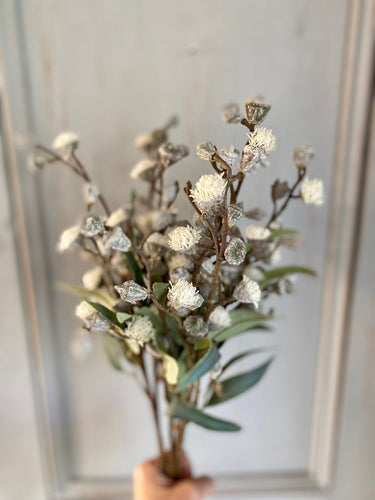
(195, 328)
(118, 241)
(132, 292)
(92, 226)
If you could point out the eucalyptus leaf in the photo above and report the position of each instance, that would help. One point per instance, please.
(122, 317)
(242, 355)
(98, 295)
(240, 327)
(183, 411)
(234, 386)
(279, 272)
(137, 271)
(160, 290)
(107, 313)
(277, 233)
(205, 364)
(112, 350)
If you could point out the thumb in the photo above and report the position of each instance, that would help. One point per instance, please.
(204, 485)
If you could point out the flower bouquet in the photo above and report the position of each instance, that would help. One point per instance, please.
(166, 294)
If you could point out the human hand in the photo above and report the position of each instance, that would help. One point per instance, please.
(150, 483)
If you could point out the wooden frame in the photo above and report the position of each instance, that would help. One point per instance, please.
(340, 267)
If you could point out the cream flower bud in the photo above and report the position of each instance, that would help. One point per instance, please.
(230, 113)
(144, 141)
(312, 192)
(66, 140)
(209, 191)
(144, 170)
(140, 329)
(195, 328)
(206, 150)
(184, 297)
(235, 252)
(68, 238)
(92, 226)
(118, 241)
(92, 278)
(116, 217)
(263, 138)
(184, 238)
(219, 318)
(303, 155)
(248, 292)
(132, 292)
(257, 232)
(84, 310)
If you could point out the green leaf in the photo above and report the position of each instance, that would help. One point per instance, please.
(122, 317)
(242, 321)
(202, 344)
(107, 313)
(160, 290)
(205, 364)
(170, 369)
(279, 272)
(98, 295)
(137, 271)
(112, 350)
(238, 384)
(242, 355)
(277, 233)
(181, 410)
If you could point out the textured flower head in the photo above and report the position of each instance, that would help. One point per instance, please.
(209, 191)
(140, 329)
(68, 238)
(184, 238)
(144, 170)
(312, 192)
(253, 232)
(132, 292)
(235, 252)
(248, 292)
(184, 297)
(263, 138)
(66, 140)
(219, 318)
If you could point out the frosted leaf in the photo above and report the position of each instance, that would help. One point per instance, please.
(230, 113)
(251, 155)
(170, 192)
(195, 328)
(92, 226)
(91, 193)
(247, 292)
(206, 150)
(255, 214)
(171, 153)
(118, 241)
(231, 155)
(303, 155)
(144, 170)
(256, 111)
(235, 252)
(235, 213)
(254, 273)
(156, 245)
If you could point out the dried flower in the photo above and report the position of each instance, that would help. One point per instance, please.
(206, 150)
(184, 297)
(230, 113)
(92, 226)
(312, 192)
(92, 278)
(184, 238)
(235, 213)
(132, 292)
(257, 232)
(66, 140)
(118, 241)
(303, 155)
(235, 252)
(195, 328)
(116, 218)
(247, 292)
(90, 193)
(219, 318)
(68, 238)
(209, 191)
(256, 111)
(231, 155)
(144, 170)
(84, 310)
(263, 138)
(140, 329)
(171, 153)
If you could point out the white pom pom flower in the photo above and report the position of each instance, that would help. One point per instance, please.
(184, 238)
(140, 329)
(68, 238)
(263, 138)
(312, 192)
(209, 191)
(84, 310)
(184, 297)
(248, 292)
(219, 318)
(66, 140)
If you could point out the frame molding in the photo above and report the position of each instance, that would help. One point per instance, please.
(346, 201)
